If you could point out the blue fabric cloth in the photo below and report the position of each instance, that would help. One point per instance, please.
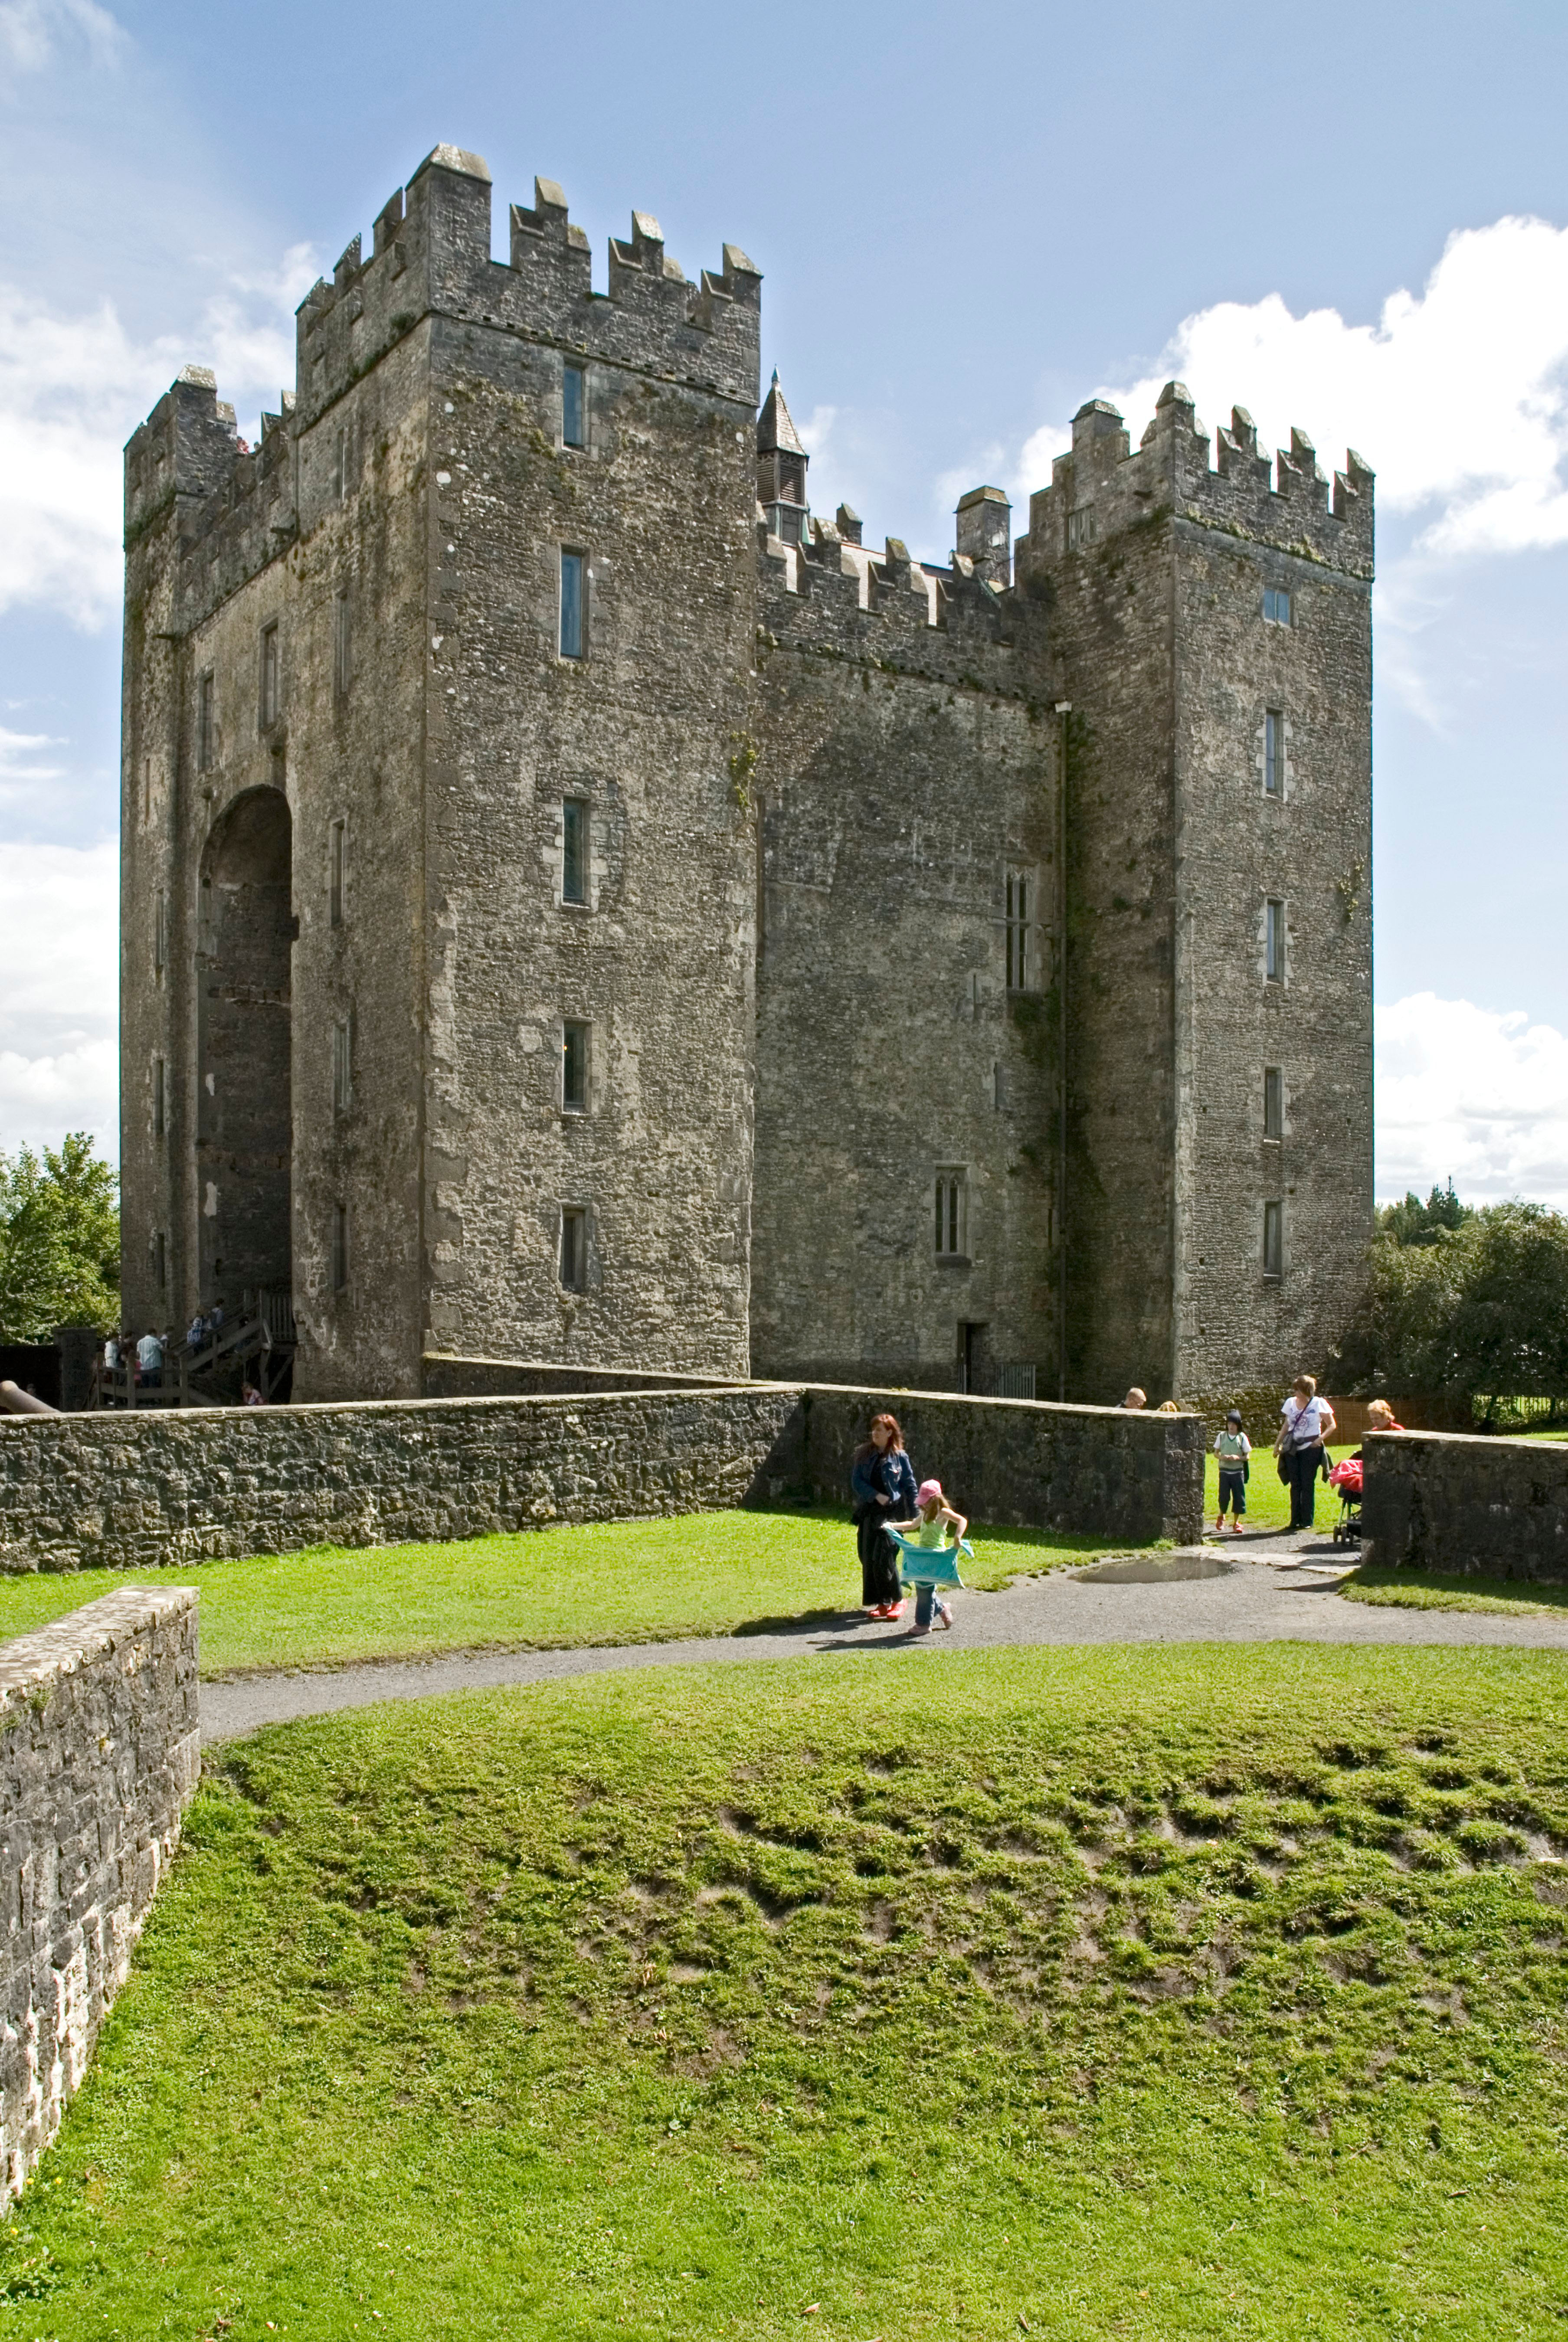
(891, 1476)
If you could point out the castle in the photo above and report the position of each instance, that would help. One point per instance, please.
(580, 903)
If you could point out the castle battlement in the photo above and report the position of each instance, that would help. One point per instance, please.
(1104, 485)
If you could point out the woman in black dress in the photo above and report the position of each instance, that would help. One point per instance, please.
(882, 1479)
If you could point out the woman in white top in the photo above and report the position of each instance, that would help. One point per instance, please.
(1306, 1423)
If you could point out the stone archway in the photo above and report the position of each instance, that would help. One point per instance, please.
(245, 1134)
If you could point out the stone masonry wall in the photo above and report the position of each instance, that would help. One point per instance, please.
(99, 1753)
(184, 1486)
(902, 775)
(1454, 1501)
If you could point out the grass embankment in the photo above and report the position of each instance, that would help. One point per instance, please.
(1159, 1993)
(546, 1589)
(1439, 1589)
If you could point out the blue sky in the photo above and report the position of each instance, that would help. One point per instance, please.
(1350, 219)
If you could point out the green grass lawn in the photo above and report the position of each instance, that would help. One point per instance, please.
(611, 1582)
(1435, 1590)
(1267, 1498)
(1158, 1992)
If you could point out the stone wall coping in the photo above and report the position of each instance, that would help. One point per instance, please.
(35, 1662)
(694, 1386)
(1489, 1440)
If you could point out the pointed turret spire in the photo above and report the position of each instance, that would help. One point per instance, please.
(781, 461)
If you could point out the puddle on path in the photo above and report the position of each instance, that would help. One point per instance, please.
(1157, 1571)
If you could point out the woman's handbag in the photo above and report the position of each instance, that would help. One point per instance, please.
(1284, 1466)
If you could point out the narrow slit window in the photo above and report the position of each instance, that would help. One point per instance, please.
(336, 872)
(575, 850)
(340, 466)
(343, 1064)
(1276, 606)
(158, 1097)
(339, 1248)
(160, 1260)
(1020, 931)
(206, 727)
(1273, 1240)
(160, 932)
(952, 1216)
(271, 679)
(342, 643)
(1273, 753)
(575, 1038)
(573, 1248)
(1273, 1102)
(574, 408)
(574, 567)
(1274, 941)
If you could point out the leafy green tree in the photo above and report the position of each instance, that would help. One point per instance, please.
(1480, 1307)
(1412, 1222)
(59, 1240)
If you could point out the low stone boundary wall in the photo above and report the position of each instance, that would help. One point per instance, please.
(193, 1484)
(127, 1489)
(1456, 1501)
(443, 1375)
(1027, 1463)
(99, 1752)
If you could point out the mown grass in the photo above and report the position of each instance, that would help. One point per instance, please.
(546, 1589)
(1437, 1589)
(1172, 1993)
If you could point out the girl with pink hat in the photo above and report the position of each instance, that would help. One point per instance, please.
(926, 1534)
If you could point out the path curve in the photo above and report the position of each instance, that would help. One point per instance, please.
(1292, 1598)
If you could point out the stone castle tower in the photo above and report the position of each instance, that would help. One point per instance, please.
(579, 904)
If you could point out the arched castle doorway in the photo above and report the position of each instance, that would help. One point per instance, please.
(245, 1116)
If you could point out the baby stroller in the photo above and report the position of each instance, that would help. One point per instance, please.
(1347, 1479)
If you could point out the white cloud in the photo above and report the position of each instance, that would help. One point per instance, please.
(72, 390)
(33, 32)
(1458, 396)
(59, 913)
(1467, 1094)
(19, 765)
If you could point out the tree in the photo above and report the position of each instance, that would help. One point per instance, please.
(59, 1240)
(1412, 1222)
(1479, 1307)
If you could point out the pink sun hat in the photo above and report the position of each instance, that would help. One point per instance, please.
(927, 1490)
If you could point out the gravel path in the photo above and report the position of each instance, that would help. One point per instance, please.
(1290, 1595)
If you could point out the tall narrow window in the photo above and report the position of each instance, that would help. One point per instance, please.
(573, 568)
(952, 1216)
(271, 679)
(206, 727)
(574, 408)
(336, 871)
(575, 850)
(1273, 1102)
(339, 1247)
(1276, 606)
(1273, 1240)
(574, 1247)
(342, 1065)
(1274, 754)
(157, 1097)
(1020, 925)
(575, 1040)
(160, 1260)
(342, 646)
(1274, 941)
(340, 466)
(160, 932)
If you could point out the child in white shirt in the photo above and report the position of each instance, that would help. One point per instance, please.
(1232, 1447)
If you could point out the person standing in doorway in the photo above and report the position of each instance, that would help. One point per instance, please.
(1306, 1425)
(882, 1482)
(150, 1359)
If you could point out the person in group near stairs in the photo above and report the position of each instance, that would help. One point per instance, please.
(882, 1482)
(1232, 1447)
(933, 1517)
(1306, 1426)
